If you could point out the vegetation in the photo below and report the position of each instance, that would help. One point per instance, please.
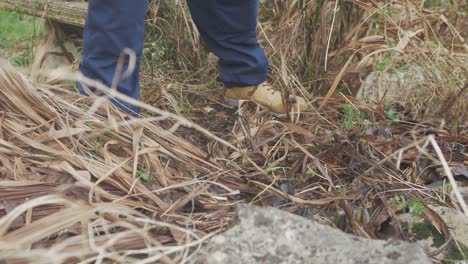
(81, 180)
(16, 29)
(19, 34)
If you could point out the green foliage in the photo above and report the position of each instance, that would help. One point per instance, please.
(144, 175)
(425, 230)
(311, 171)
(24, 58)
(392, 114)
(15, 28)
(384, 62)
(18, 34)
(379, 18)
(352, 117)
(412, 206)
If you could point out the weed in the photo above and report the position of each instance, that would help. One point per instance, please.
(23, 58)
(379, 19)
(352, 117)
(144, 175)
(412, 206)
(384, 62)
(392, 114)
(311, 171)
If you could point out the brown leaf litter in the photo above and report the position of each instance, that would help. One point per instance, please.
(83, 182)
(79, 186)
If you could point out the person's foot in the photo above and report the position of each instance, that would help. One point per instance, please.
(265, 96)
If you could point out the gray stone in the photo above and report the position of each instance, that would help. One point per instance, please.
(430, 240)
(268, 235)
(399, 85)
(455, 220)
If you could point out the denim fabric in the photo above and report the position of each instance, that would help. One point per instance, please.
(228, 28)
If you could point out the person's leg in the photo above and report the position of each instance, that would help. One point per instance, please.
(112, 26)
(228, 28)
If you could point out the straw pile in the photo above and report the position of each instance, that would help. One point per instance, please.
(108, 173)
(83, 182)
(78, 186)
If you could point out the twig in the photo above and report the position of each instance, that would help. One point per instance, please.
(336, 82)
(450, 176)
(330, 35)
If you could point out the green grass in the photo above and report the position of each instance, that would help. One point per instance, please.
(352, 117)
(18, 34)
(16, 29)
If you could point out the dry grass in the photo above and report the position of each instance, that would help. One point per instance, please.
(309, 44)
(88, 187)
(83, 182)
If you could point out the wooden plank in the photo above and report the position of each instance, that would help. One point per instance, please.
(73, 13)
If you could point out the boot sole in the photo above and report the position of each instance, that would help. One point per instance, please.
(237, 103)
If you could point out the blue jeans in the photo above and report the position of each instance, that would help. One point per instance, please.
(228, 28)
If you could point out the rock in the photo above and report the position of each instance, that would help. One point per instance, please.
(456, 221)
(397, 86)
(422, 232)
(268, 235)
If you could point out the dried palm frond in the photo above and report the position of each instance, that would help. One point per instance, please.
(82, 181)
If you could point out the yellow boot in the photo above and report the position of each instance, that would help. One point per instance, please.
(265, 96)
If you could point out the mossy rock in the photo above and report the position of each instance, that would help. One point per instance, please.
(421, 231)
